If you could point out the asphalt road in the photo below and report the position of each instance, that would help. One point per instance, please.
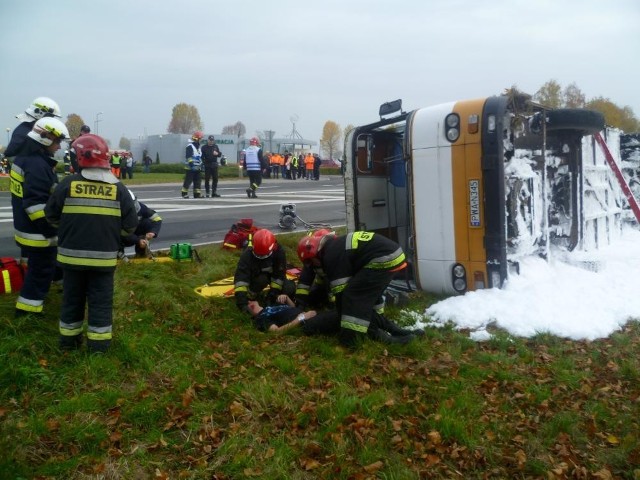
(207, 220)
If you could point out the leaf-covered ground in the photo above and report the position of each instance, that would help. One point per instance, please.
(190, 390)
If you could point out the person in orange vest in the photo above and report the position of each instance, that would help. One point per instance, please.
(115, 163)
(308, 166)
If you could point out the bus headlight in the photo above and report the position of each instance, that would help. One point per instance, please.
(459, 278)
(452, 127)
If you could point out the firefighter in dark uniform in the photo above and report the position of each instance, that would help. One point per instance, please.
(312, 288)
(149, 224)
(263, 264)
(193, 167)
(92, 209)
(359, 267)
(210, 155)
(32, 180)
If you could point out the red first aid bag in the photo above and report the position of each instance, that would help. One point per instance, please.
(11, 275)
(237, 237)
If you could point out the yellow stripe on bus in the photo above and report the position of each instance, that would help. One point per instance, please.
(466, 164)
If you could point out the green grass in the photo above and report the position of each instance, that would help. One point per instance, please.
(190, 390)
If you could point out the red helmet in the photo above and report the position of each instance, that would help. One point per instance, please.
(92, 151)
(264, 243)
(310, 245)
(197, 135)
(254, 141)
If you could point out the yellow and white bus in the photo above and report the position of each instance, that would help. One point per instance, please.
(470, 187)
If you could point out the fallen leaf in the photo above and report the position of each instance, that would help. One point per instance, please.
(374, 467)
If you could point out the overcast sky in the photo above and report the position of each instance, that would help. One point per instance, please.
(264, 62)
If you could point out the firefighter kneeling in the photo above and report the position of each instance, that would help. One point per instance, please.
(359, 267)
(91, 209)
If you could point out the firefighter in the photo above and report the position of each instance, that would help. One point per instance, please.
(193, 166)
(359, 267)
(32, 180)
(92, 209)
(41, 107)
(262, 264)
(312, 289)
(254, 162)
(149, 224)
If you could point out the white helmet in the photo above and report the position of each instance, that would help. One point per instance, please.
(48, 129)
(43, 107)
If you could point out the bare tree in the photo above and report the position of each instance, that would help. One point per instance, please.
(74, 123)
(573, 97)
(184, 119)
(549, 95)
(238, 129)
(331, 139)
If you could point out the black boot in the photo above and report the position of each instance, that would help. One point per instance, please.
(396, 330)
(381, 336)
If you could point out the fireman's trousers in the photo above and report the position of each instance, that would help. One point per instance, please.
(95, 289)
(37, 281)
(358, 301)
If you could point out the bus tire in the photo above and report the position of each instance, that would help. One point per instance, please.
(577, 119)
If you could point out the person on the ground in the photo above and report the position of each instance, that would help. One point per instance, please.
(358, 266)
(193, 166)
(262, 265)
(149, 225)
(41, 107)
(92, 210)
(32, 180)
(210, 155)
(254, 163)
(285, 315)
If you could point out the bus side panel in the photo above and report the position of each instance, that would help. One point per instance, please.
(432, 197)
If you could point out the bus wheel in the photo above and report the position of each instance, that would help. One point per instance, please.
(585, 121)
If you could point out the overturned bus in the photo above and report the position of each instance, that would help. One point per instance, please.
(469, 188)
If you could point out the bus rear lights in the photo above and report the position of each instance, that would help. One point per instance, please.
(459, 278)
(452, 127)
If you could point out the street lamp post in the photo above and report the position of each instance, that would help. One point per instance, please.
(97, 123)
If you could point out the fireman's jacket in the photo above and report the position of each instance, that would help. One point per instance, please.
(92, 216)
(344, 256)
(32, 181)
(249, 268)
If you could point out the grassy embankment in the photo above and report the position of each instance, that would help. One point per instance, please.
(190, 390)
